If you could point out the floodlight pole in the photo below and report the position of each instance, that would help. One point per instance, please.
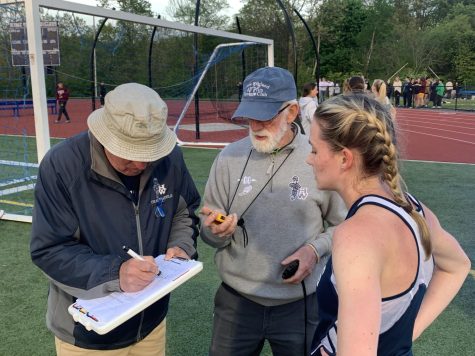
(37, 73)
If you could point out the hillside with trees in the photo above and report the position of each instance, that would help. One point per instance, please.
(373, 38)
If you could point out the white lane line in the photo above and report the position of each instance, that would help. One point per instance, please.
(438, 129)
(444, 137)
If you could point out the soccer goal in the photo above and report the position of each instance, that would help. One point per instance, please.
(219, 84)
(201, 85)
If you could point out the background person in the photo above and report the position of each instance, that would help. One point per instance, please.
(440, 91)
(418, 93)
(389, 89)
(239, 86)
(379, 90)
(356, 84)
(407, 92)
(337, 89)
(62, 96)
(397, 85)
(124, 182)
(102, 93)
(449, 86)
(375, 296)
(308, 104)
(323, 89)
(433, 93)
(273, 217)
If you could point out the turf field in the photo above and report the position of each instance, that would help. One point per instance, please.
(449, 189)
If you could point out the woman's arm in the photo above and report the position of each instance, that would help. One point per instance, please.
(358, 263)
(451, 268)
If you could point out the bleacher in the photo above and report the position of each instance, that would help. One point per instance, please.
(466, 94)
(16, 105)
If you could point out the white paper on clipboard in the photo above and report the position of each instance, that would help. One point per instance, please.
(106, 313)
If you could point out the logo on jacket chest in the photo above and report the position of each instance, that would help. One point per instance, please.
(158, 198)
(247, 185)
(296, 190)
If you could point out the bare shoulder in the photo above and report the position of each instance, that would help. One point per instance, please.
(362, 228)
(360, 236)
(357, 252)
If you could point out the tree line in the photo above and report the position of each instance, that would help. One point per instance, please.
(373, 38)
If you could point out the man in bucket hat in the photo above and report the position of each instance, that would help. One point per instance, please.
(274, 215)
(124, 182)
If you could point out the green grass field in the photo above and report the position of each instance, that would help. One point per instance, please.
(448, 189)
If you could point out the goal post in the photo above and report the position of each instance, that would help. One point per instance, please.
(25, 137)
(32, 12)
(213, 60)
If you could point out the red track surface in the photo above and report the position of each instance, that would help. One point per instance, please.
(437, 135)
(424, 134)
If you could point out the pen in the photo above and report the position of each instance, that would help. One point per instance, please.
(133, 254)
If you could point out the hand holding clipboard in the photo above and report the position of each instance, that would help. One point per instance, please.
(104, 314)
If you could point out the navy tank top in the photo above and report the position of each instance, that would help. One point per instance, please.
(398, 312)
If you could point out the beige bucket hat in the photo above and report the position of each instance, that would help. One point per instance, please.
(133, 124)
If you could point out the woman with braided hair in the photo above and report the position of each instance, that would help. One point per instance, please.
(375, 292)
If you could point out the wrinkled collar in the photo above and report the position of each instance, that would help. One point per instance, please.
(100, 164)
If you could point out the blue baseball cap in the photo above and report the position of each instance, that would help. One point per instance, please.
(264, 92)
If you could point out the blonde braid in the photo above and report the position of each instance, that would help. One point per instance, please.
(395, 182)
(359, 122)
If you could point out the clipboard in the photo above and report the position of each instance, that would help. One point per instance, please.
(106, 313)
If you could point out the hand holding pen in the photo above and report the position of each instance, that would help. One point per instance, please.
(138, 272)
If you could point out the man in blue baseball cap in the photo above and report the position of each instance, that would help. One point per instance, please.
(274, 216)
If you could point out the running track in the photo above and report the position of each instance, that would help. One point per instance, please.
(437, 135)
(424, 134)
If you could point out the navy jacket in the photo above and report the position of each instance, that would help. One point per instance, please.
(83, 215)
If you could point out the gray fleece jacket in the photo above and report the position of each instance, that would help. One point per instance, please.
(288, 213)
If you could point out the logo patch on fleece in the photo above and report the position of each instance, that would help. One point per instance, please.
(247, 185)
(296, 190)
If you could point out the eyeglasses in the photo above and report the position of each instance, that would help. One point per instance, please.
(269, 122)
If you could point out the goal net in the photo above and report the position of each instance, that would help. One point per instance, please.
(205, 120)
(103, 48)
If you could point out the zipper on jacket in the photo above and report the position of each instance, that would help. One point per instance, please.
(139, 231)
(139, 238)
(270, 169)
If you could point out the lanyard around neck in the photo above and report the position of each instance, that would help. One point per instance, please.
(241, 219)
